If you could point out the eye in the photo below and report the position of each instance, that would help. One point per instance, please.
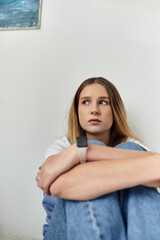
(102, 102)
(85, 102)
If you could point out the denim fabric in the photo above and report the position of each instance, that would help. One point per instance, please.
(129, 214)
(57, 229)
(48, 204)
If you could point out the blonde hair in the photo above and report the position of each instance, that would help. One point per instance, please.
(120, 130)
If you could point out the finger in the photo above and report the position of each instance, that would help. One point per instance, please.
(41, 183)
(37, 177)
(46, 183)
(46, 192)
(46, 188)
(40, 180)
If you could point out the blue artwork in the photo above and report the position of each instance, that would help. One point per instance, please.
(19, 14)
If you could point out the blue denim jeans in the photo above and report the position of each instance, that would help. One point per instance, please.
(129, 214)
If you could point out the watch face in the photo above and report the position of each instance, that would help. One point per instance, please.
(82, 142)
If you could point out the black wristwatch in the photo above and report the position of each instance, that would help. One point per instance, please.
(82, 146)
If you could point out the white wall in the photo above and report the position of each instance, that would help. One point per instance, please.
(40, 71)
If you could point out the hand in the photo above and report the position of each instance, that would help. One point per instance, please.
(56, 165)
(153, 184)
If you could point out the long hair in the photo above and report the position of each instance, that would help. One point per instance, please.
(120, 130)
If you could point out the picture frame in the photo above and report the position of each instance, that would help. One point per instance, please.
(20, 14)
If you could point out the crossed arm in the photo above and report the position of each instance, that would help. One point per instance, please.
(107, 170)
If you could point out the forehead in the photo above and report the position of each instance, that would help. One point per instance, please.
(94, 89)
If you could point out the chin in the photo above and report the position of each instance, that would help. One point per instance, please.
(94, 133)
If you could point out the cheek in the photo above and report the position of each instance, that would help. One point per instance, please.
(82, 112)
(109, 115)
(80, 115)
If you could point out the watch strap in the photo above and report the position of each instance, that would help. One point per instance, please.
(82, 153)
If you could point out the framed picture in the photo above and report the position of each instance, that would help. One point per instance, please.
(20, 14)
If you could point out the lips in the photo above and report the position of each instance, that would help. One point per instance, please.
(94, 121)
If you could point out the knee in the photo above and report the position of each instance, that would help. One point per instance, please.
(130, 146)
(97, 142)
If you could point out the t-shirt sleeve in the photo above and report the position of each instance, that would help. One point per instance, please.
(57, 146)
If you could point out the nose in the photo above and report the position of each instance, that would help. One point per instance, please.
(95, 110)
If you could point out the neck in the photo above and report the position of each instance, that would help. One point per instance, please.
(100, 137)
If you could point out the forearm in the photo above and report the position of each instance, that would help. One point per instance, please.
(93, 179)
(153, 184)
(97, 152)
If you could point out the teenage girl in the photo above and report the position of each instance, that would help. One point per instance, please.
(114, 194)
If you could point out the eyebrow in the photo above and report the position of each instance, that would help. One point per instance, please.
(101, 97)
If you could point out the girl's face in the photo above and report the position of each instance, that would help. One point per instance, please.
(95, 113)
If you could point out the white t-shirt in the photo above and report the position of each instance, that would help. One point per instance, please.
(63, 143)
